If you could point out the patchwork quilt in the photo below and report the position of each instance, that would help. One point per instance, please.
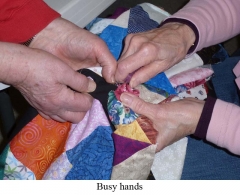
(111, 142)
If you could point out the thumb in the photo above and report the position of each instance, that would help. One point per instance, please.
(78, 82)
(138, 105)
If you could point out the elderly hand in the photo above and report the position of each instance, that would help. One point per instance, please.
(172, 120)
(76, 47)
(46, 82)
(149, 53)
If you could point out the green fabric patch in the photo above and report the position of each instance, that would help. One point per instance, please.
(3, 157)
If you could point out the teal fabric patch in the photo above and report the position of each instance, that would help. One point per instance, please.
(3, 157)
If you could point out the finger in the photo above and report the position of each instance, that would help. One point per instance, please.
(133, 43)
(107, 62)
(147, 72)
(134, 62)
(109, 69)
(57, 118)
(127, 42)
(74, 101)
(137, 105)
(78, 82)
(44, 115)
(54, 117)
(73, 117)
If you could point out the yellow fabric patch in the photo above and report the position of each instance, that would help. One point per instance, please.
(132, 131)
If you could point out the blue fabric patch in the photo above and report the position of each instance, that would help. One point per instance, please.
(223, 80)
(139, 21)
(93, 157)
(159, 84)
(221, 54)
(113, 37)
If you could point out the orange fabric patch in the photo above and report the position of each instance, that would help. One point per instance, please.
(39, 143)
(147, 126)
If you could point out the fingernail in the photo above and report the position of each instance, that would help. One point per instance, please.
(112, 80)
(126, 99)
(132, 83)
(91, 86)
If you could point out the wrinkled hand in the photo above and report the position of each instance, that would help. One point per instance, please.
(149, 53)
(173, 120)
(76, 47)
(47, 83)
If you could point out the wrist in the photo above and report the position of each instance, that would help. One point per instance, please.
(190, 29)
(28, 42)
(185, 33)
(13, 62)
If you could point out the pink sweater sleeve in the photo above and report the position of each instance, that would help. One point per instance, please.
(216, 21)
(224, 127)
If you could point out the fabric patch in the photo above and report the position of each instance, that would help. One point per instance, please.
(122, 20)
(139, 21)
(132, 131)
(93, 157)
(58, 169)
(149, 96)
(224, 80)
(3, 157)
(126, 147)
(155, 13)
(186, 64)
(39, 143)
(118, 113)
(160, 83)
(198, 92)
(125, 88)
(190, 85)
(136, 167)
(98, 25)
(191, 75)
(94, 117)
(15, 170)
(113, 37)
(147, 126)
(168, 163)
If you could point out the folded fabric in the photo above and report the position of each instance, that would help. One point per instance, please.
(191, 75)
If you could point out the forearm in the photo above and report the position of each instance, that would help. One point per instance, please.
(13, 62)
(219, 124)
(224, 127)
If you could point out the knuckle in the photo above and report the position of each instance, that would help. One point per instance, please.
(129, 37)
(139, 106)
(148, 49)
(122, 68)
(138, 38)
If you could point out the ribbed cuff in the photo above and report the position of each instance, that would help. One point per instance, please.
(188, 23)
(205, 118)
